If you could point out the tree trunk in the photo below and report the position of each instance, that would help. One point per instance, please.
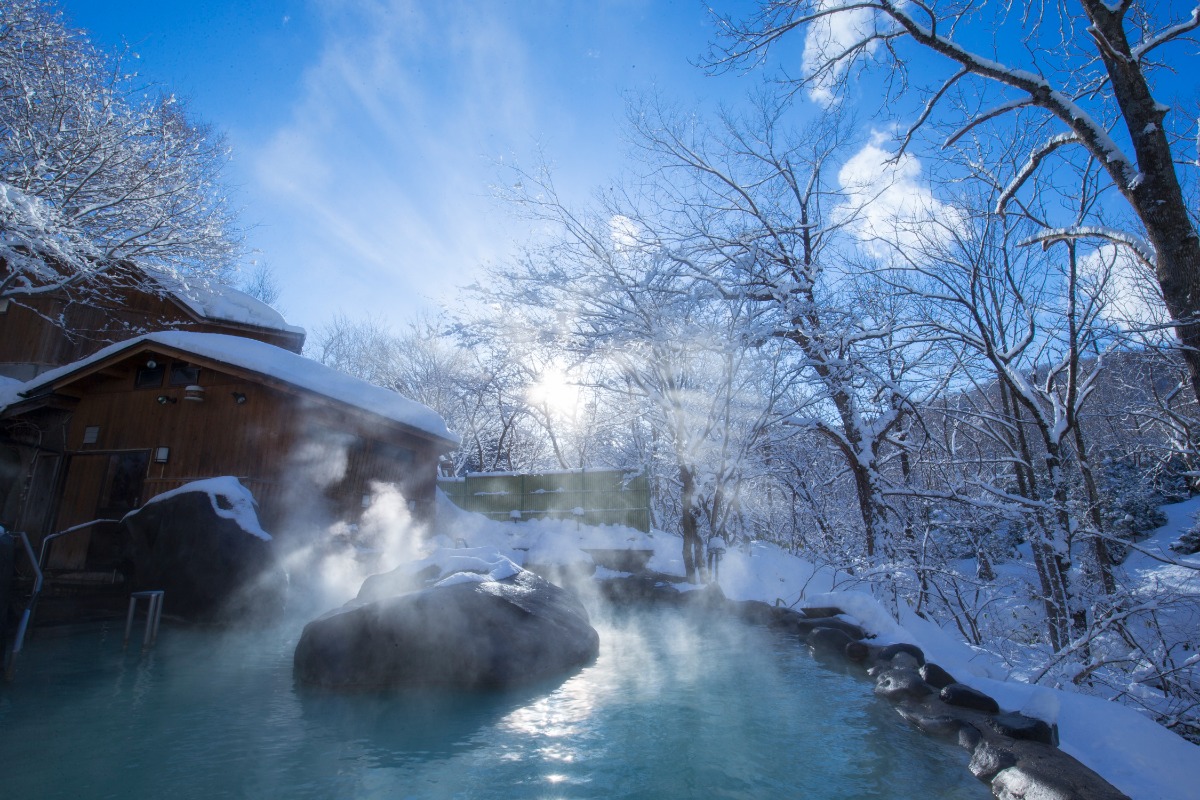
(693, 546)
(1054, 594)
(1154, 192)
(866, 505)
(1099, 545)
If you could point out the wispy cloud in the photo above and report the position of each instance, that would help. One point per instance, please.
(387, 150)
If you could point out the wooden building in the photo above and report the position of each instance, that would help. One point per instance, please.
(147, 415)
(39, 332)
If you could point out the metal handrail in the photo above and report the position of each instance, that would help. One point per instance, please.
(27, 614)
(41, 562)
(39, 565)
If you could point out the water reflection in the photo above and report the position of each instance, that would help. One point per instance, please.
(672, 708)
(397, 728)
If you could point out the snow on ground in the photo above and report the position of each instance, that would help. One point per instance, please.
(1131, 751)
(238, 503)
(1145, 563)
(539, 541)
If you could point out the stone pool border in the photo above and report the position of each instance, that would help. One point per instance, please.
(1018, 756)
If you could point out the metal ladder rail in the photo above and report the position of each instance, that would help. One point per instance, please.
(154, 601)
(27, 614)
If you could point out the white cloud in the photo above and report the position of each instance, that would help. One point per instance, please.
(829, 37)
(1130, 292)
(888, 204)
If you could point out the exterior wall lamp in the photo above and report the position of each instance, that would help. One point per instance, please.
(239, 398)
(163, 400)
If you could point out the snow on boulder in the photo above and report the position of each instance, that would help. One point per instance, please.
(470, 629)
(480, 563)
(229, 500)
(202, 545)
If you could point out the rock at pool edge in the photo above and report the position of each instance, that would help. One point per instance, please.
(466, 634)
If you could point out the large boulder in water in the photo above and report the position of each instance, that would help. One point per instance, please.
(202, 545)
(469, 630)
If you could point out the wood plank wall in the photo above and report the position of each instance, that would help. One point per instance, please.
(29, 336)
(276, 442)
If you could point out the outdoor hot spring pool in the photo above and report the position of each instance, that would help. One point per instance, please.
(669, 710)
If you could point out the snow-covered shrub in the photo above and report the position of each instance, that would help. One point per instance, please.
(1189, 542)
(1133, 496)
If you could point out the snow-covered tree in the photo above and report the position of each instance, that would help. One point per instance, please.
(756, 216)
(607, 290)
(1079, 78)
(97, 168)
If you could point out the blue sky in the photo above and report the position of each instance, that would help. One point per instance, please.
(366, 134)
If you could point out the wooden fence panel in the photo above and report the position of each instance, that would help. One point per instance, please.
(593, 497)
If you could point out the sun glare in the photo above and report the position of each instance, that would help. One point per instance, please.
(555, 390)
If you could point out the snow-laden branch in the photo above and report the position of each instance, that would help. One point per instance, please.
(1030, 167)
(1140, 248)
(1162, 37)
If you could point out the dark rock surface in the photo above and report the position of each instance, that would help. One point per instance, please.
(1019, 726)
(7, 560)
(901, 684)
(1043, 772)
(889, 652)
(470, 634)
(210, 568)
(959, 694)
(821, 612)
(828, 641)
(936, 719)
(644, 587)
(935, 676)
(1019, 769)
(797, 622)
(857, 652)
(988, 758)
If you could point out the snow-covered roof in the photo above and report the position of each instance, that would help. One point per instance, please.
(9, 389)
(216, 301)
(272, 362)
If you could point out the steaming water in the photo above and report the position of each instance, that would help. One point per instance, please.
(667, 711)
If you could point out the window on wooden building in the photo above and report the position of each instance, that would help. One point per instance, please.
(150, 376)
(184, 374)
(394, 453)
(123, 482)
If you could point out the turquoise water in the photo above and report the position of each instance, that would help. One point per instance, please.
(669, 710)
